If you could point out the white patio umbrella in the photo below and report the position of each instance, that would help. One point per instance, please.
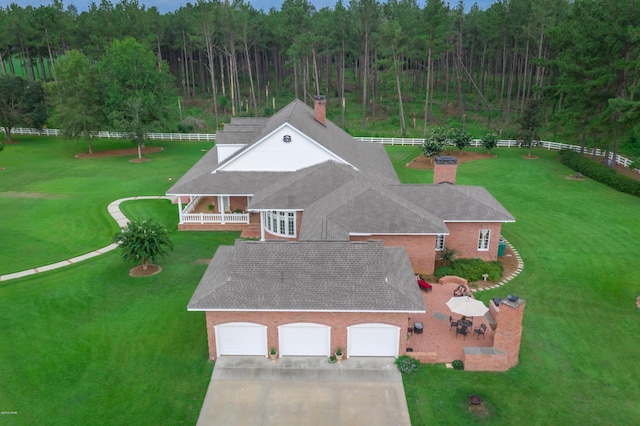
(467, 306)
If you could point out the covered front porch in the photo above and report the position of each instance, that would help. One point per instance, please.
(215, 212)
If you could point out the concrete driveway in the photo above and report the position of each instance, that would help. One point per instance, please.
(246, 390)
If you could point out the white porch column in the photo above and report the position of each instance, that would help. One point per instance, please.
(180, 209)
(221, 207)
(262, 213)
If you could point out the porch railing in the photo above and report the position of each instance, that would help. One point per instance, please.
(218, 218)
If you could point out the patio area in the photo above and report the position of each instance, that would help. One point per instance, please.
(438, 343)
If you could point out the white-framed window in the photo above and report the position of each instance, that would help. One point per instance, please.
(484, 237)
(280, 223)
(440, 242)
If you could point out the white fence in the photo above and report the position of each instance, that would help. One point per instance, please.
(503, 144)
(119, 135)
(385, 141)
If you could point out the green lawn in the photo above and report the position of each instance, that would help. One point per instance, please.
(58, 203)
(580, 347)
(88, 344)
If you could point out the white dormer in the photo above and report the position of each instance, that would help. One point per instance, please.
(286, 149)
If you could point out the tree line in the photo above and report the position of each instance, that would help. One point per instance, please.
(580, 57)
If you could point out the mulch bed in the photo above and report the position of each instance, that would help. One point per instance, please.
(424, 163)
(138, 271)
(120, 152)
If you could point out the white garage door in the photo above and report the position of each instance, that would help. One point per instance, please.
(241, 338)
(305, 339)
(373, 340)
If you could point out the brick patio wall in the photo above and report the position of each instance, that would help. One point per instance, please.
(420, 248)
(338, 321)
(506, 341)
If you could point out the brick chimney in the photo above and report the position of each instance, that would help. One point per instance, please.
(320, 109)
(508, 333)
(445, 169)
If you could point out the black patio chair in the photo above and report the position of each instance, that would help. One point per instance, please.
(480, 330)
(452, 323)
(462, 330)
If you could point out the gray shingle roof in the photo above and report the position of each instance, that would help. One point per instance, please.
(227, 183)
(362, 155)
(311, 276)
(455, 202)
(201, 168)
(306, 186)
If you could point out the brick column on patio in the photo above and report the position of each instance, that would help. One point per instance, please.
(508, 333)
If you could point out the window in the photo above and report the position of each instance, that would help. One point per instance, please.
(483, 239)
(440, 242)
(280, 223)
(292, 224)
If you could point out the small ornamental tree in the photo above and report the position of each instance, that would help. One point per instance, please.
(460, 138)
(436, 142)
(143, 241)
(490, 141)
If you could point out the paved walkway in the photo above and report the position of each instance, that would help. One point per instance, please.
(294, 391)
(116, 214)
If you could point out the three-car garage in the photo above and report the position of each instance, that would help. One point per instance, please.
(306, 339)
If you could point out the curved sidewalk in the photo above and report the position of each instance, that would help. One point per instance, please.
(117, 215)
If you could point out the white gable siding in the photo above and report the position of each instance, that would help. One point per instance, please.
(227, 150)
(274, 155)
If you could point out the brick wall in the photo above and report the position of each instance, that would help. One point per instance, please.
(508, 333)
(496, 361)
(238, 203)
(464, 238)
(420, 248)
(506, 341)
(338, 321)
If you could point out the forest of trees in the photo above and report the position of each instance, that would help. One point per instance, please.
(580, 57)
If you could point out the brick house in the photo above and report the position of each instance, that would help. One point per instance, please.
(313, 192)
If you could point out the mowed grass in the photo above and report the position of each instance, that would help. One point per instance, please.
(88, 344)
(55, 205)
(580, 343)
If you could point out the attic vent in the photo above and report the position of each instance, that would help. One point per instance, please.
(286, 138)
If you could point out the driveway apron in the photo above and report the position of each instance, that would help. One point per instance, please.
(246, 390)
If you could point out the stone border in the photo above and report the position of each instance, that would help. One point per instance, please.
(515, 274)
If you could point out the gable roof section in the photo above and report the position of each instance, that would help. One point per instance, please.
(240, 130)
(202, 167)
(455, 202)
(309, 276)
(379, 211)
(362, 155)
(304, 187)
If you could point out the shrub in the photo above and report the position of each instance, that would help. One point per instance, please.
(458, 364)
(407, 365)
(600, 172)
(471, 269)
(448, 255)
